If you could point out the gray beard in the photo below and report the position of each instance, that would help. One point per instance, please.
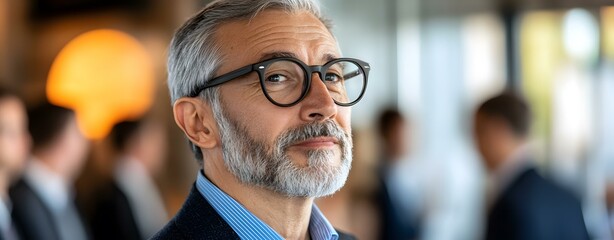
(256, 163)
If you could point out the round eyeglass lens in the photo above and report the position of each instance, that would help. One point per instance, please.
(284, 81)
(345, 81)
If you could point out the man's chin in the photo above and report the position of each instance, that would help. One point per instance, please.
(315, 158)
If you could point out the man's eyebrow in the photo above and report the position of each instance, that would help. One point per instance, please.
(328, 57)
(271, 55)
(266, 56)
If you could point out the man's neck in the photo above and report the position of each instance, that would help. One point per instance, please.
(288, 216)
(513, 162)
(53, 160)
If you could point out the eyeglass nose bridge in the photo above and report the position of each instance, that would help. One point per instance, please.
(315, 69)
(309, 71)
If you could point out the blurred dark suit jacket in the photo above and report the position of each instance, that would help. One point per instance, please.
(32, 218)
(393, 224)
(112, 217)
(197, 219)
(533, 208)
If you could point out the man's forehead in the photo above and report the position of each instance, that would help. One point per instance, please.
(276, 33)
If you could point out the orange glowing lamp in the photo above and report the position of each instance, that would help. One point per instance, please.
(106, 76)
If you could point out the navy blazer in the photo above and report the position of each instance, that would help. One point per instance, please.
(393, 224)
(533, 208)
(112, 217)
(31, 216)
(197, 219)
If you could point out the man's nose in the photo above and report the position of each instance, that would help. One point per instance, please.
(318, 104)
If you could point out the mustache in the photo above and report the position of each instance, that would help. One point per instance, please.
(312, 130)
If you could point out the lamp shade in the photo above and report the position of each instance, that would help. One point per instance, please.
(106, 76)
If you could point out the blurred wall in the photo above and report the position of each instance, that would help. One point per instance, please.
(367, 30)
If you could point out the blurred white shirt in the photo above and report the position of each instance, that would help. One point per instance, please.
(143, 195)
(58, 196)
(6, 222)
(49, 186)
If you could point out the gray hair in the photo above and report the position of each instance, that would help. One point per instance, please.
(194, 55)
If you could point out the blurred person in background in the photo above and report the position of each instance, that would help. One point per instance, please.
(131, 206)
(262, 93)
(43, 200)
(397, 221)
(14, 151)
(522, 204)
(609, 201)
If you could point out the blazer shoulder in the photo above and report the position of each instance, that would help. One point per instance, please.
(536, 208)
(345, 236)
(531, 187)
(32, 218)
(196, 220)
(170, 231)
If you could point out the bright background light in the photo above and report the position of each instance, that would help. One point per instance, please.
(581, 34)
(106, 76)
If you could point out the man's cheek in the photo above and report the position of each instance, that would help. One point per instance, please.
(344, 120)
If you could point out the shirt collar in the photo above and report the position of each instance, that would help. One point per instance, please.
(51, 187)
(247, 225)
(320, 227)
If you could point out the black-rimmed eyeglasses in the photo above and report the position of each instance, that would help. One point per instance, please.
(286, 81)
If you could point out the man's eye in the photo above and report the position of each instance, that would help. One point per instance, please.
(276, 78)
(331, 77)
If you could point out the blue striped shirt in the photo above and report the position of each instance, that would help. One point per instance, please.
(247, 225)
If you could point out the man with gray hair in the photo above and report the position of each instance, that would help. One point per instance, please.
(260, 90)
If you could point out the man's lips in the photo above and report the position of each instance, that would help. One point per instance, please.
(317, 142)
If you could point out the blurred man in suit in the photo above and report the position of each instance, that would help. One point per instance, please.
(14, 150)
(131, 207)
(260, 89)
(609, 201)
(524, 205)
(397, 220)
(43, 200)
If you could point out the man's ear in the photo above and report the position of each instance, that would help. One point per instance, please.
(195, 118)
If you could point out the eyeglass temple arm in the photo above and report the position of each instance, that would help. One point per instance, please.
(352, 74)
(229, 76)
(364, 68)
